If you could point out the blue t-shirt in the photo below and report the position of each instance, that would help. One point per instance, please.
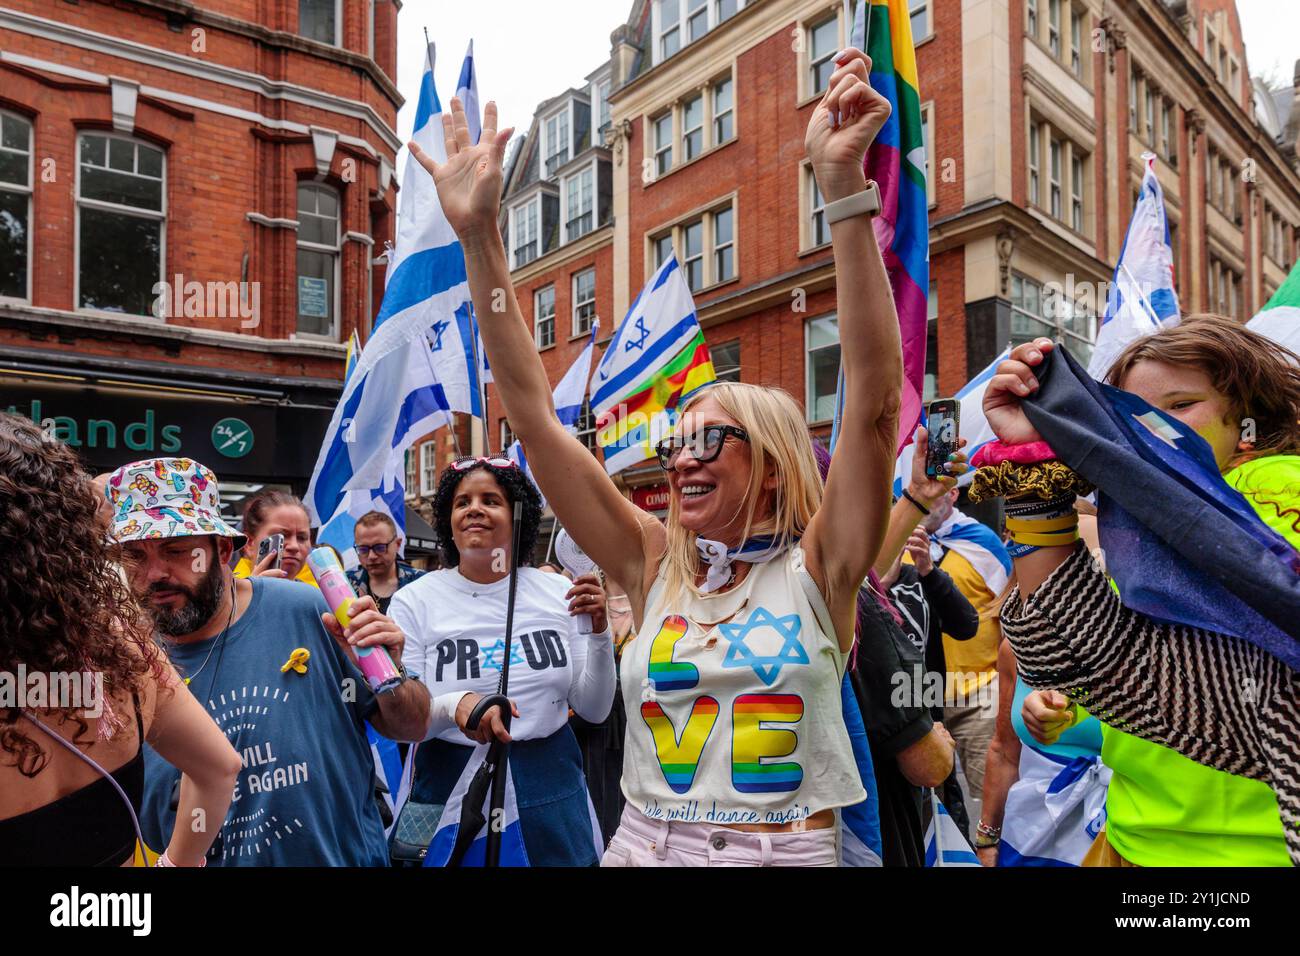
(305, 796)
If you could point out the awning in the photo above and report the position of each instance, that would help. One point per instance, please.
(419, 533)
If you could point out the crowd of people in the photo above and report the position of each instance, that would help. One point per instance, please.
(702, 717)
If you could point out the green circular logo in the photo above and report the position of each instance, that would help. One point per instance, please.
(232, 437)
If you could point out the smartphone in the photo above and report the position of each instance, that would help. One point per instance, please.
(272, 542)
(943, 420)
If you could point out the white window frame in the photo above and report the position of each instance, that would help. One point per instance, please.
(1055, 168)
(810, 400)
(600, 91)
(715, 247)
(913, 8)
(576, 327)
(518, 216)
(335, 251)
(26, 189)
(730, 111)
(698, 96)
(537, 316)
(702, 257)
(428, 468)
(84, 203)
(662, 150)
(1078, 179)
(586, 426)
(816, 211)
(338, 25)
(566, 187)
(710, 9)
(670, 235)
(411, 474)
(1054, 45)
(1078, 28)
(1035, 150)
(927, 140)
(810, 72)
(548, 150)
(1031, 18)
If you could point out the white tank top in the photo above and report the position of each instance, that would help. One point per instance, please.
(733, 704)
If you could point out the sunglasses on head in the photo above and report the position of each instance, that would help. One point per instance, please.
(379, 549)
(464, 464)
(705, 445)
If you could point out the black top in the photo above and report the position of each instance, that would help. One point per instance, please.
(931, 607)
(88, 827)
(893, 724)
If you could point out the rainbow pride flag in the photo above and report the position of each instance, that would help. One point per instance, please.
(896, 161)
(655, 359)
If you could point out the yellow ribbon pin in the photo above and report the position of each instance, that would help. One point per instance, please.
(297, 661)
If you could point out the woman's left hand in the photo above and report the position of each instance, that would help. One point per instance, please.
(844, 125)
(588, 597)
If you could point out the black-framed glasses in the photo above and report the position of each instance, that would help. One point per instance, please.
(705, 445)
(380, 549)
(464, 464)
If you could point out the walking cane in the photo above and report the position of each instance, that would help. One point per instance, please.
(492, 772)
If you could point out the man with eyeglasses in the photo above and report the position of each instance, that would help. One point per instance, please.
(381, 575)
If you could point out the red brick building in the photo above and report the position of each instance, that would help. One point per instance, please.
(1036, 113)
(193, 196)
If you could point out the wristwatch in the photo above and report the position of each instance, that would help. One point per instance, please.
(865, 203)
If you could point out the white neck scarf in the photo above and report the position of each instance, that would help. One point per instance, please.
(719, 557)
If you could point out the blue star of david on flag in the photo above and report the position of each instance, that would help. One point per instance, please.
(492, 655)
(438, 329)
(639, 343)
(740, 654)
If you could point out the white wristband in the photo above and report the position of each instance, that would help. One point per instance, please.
(865, 203)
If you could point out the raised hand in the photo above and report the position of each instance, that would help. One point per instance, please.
(924, 488)
(844, 125)
(469, 182)
(1013, 382)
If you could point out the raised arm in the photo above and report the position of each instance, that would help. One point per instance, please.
(616, 534)
(924, 491)
(843, 538)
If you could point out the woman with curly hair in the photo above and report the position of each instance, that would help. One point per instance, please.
(72, 770)
(454, 622)
(1202, 776)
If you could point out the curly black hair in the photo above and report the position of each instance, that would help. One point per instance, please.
(517, 487)
(67, 609)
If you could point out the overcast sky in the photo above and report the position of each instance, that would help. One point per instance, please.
(527, 51)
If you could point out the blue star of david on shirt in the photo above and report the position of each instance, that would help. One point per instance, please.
(438, 329)
(492, 655)
(639, 343)
(739, 654)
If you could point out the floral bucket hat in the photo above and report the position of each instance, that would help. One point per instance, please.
(166, 498)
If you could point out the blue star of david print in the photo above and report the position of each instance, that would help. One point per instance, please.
(639, 343)
(492, 655)
(740, 654)
(438, 329)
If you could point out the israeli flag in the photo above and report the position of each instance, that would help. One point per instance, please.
(419, 364)
(467, 93)
(568, 397)
(1142, 299)
(944, 843)
(388, 768)
(975, 427)
(513, 852)
(860, 840)
(1054, 811)
(977, 543)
